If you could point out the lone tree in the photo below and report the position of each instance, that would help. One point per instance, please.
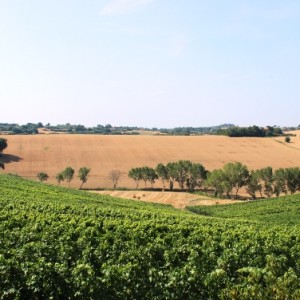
(115, 176)
(287, 139)
(68, 174)
(3, 144)
(42, 176)
(59, 178)
(83, 175)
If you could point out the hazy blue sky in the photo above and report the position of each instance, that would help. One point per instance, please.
(153, 63)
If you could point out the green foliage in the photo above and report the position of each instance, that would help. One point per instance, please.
(266, 176)
(162, 172)
(83, 175)
(279, 181)
(217, 181)
(3, 144)
(42, 176)
(253, 184)
(287, 139)
(284, 211)
(136, 174)
(252, 131)
(59, 178)
(236, 176)
(293, 179)
(59, 243)
(68, 174)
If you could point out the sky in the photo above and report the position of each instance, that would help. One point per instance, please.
(150, 63)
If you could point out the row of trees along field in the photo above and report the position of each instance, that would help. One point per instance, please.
(224, 182)
(67, 175)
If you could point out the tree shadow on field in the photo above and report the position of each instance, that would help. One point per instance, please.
(9, 158)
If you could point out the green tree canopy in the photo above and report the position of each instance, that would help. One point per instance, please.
(236, 175)
(42, 176)
(68, 174)
(59, 177)
(83, 175)
(3, 144)
(136, 175)
(292, 179)
(162, 172)
(253, 184)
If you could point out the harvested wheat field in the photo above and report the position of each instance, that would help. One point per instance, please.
(177, 199)
(27, 155)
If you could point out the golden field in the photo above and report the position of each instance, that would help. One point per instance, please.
(26, 155)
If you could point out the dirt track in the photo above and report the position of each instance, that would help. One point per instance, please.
(52, 153)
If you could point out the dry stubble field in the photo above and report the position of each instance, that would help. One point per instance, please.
(29, 154)
(51, 153)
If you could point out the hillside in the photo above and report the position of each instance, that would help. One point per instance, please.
(29, 154)
(64, 244)
(284, 210)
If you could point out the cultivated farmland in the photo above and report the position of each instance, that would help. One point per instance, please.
(29, 155)
(59, 243)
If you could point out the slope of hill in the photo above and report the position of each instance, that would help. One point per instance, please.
(284, 210)
(57, 243)
(31, 154)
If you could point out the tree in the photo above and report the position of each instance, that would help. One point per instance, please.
(279, 182)
(196, 176)
(136, 175)
(287, 139)
(2, 165)
(83, 175)
(171, 169)
(68, 174)
(42, 176)
(266, 176)
(148, 174)
(179, 171)
(162, 172)
(115, 176)
(292, 179)
(151, 175)
(236, 175)
(3, 144)
(215, 180)
(253, 184)
(59, 178)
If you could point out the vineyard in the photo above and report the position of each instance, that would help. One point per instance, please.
(284, 210)
(58, 243)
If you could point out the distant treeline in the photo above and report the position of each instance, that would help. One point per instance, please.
(223, 129)
(252, 131)
(29, 128)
